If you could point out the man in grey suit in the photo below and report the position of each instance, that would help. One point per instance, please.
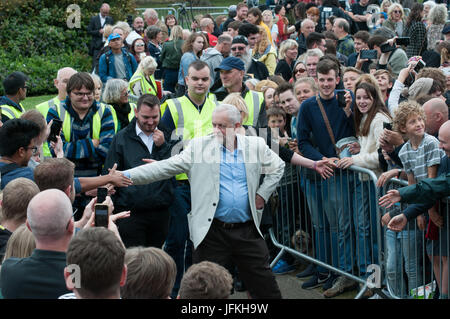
(224, 171)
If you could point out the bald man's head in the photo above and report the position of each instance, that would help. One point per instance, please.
(444, 138)
(49, 214)
(436, 112)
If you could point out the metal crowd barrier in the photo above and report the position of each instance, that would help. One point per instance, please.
(336, 225)
(332, 223)
(416, 260)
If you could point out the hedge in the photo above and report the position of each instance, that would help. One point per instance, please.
(36, 40)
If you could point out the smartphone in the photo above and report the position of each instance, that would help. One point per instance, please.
(402, 40)
(102, 192)
(385, 47)
(340, 94)
(387, 125)
(101, 215)
(55, 130)
(419, 66)
(368, 54)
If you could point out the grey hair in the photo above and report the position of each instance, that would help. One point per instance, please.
(438, 14)
(150, 13)
(96, 79)
(113, 90)
(124, 26)
(313, 52)
(147, 63)
(48, 214)
(233, 113)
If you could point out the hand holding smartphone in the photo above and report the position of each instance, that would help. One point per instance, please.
(101, 215)
(55, 130)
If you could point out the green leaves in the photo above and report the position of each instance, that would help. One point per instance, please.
(35, 39)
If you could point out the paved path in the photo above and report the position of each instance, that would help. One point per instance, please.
(291, 288)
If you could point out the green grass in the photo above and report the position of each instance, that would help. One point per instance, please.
(31, 102)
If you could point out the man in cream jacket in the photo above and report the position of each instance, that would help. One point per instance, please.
(224, 171)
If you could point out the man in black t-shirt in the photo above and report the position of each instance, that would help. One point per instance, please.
(360, 15)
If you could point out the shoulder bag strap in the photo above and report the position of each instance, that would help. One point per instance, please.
(327, 123)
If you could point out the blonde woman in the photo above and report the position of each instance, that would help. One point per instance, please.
(396, 20)
(288, 55)
(385, 5)
(265, 52)
(269, 20)
(171, 56)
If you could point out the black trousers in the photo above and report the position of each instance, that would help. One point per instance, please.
(245, 248)
(148, 229)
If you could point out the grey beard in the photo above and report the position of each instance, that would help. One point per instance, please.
(247, 59)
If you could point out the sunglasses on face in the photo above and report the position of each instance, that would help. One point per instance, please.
(300, 70)
(140, 44)
(238, 48)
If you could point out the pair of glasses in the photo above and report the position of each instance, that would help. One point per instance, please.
(81, 94)
(140, 45)
(300, 71)
(238, 49)
(35, 150)
(397, 11)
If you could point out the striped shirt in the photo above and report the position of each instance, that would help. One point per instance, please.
(417, 161)
(80, 148)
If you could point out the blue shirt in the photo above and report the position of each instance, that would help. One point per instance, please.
(25, 172)
(233, 206)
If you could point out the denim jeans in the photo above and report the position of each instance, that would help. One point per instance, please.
(404, 254)
(324, 244)
(365, 224)
(337, 207)
(178, 245)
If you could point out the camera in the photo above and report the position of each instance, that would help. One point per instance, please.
(368, 54)
(385, 47)
(419, 66)
(102, 192)
(101, 215)
(387, 125)
(340, 94)
(402, 40)
(55, 130)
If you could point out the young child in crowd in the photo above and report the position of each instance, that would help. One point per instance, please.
(420, 157)
(276, 119)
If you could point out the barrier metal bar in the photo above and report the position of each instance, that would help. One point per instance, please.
(340, 216)
(416, 265)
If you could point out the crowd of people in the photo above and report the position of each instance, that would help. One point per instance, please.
(223, 114)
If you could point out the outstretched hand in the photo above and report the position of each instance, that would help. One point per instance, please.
(324, 169)
(392, 197)
(117, 177)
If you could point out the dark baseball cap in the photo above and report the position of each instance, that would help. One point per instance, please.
(240, 39)
(230, 63)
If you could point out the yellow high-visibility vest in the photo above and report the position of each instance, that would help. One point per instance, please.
(189, 122)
